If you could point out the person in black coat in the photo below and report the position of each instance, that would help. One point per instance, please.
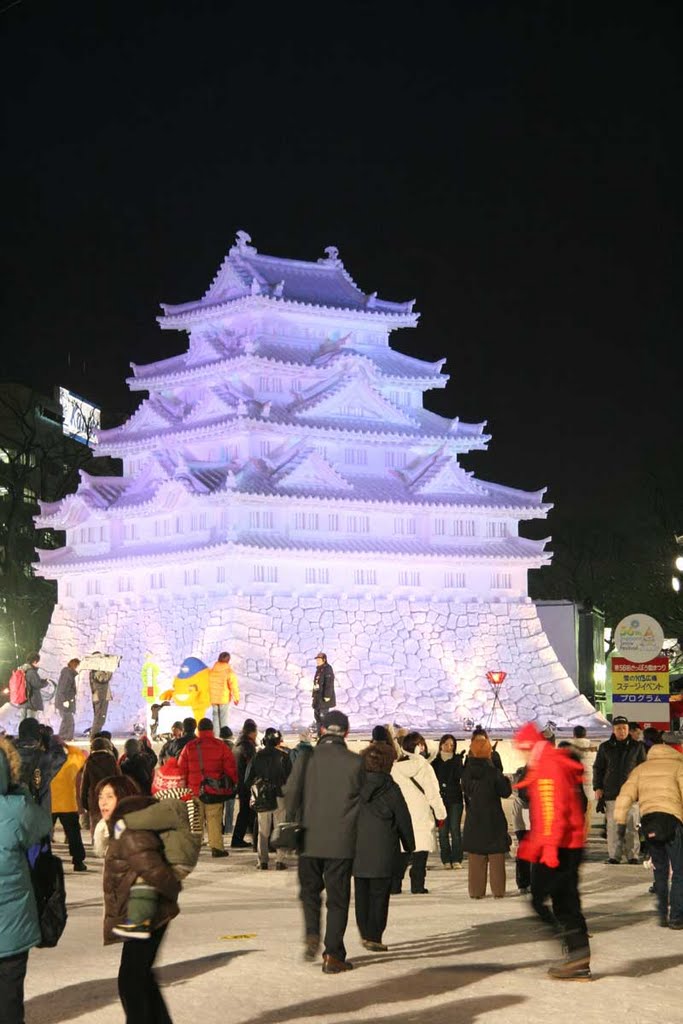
(65, 699)
(270, 766)
(447, 767)
(615, 760)
(323, 698)
(323, 793)
(137, 766)
(245, 750)
(485, 836)
(383, 824)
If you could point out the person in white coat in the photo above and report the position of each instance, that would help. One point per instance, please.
(420, 787)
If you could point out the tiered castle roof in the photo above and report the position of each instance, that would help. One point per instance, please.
(337, 383)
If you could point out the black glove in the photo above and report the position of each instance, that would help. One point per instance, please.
(600, 806)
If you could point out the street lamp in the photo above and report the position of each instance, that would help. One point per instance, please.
(496, 679)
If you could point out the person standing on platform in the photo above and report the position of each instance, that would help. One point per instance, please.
(323, 698)
(614, 762)
(65, 699)
(554, 845)
(65, 803)
(224, 690)
(323, 793)
(34, 684)
(101, 696)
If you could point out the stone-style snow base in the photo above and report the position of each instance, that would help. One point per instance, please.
(419, 663)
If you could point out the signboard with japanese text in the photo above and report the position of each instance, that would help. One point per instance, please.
(649, 679)
(640, 698)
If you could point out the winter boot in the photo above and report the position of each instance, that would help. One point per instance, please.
(575, 967)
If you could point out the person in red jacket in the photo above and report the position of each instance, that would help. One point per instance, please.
(208, 758)
(554, 845)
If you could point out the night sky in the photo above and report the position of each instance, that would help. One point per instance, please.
(515, 167)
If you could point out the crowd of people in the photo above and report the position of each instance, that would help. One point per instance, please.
(373, 817)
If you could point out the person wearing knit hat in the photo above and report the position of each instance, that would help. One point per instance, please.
(554, 845)
(380, 734)
(485, 835)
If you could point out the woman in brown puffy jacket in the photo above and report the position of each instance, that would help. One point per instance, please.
(135, 854)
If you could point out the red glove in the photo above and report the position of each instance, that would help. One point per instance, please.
(440, 824)
(549, 857)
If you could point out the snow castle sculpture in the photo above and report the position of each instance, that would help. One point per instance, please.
(284, 491)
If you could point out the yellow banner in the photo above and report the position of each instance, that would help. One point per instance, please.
(640, 682)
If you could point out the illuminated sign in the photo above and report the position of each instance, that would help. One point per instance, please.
(647, 682)
(80, 418)
(639, 638)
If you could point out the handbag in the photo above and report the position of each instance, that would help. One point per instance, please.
(658, 827)
(213, 791)
(264, 793)
(47, 878)
(288, 835)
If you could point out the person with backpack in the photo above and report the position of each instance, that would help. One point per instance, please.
(268, 772)
(24, 688)
(65, 699)
(22, 824)
(204, 759)
(42, 755)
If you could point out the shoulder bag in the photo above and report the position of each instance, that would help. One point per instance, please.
(213, 791)
(47, 878)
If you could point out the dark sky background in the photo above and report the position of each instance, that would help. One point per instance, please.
(515, 167)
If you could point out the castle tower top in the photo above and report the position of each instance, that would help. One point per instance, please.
(245, 276)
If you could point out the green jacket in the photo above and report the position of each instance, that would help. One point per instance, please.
(171, 820)
(22, 824)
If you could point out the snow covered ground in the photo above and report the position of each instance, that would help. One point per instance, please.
(234, 954)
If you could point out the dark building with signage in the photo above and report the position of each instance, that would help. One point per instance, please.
(44, 444)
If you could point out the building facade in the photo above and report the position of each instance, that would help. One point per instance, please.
(284, 490)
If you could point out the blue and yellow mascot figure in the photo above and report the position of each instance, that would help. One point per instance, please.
(191, 687)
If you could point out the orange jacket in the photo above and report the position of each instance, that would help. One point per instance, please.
(63, 786)
(223, 685)
(553, 783)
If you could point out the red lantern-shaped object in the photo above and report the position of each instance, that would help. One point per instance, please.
(496, 678)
